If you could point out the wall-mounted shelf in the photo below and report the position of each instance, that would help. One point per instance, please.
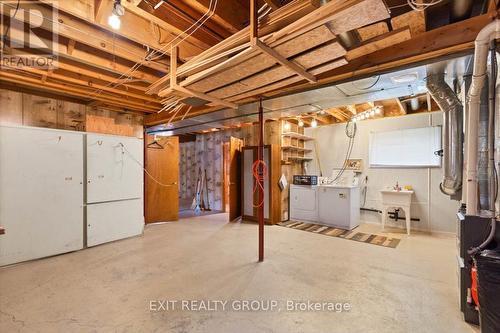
(294, 148)
(297, 136)
(299, 158)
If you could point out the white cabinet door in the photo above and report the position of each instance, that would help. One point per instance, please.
(114, 172)
(41, 193)
(115, 220)
(334, 206)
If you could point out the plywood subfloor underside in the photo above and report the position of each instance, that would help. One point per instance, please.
(412, 288)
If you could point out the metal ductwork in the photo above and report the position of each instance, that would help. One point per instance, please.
(452, 140)
(483, 135)
(482, 43)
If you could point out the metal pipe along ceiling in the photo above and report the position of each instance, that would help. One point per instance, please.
(483, 39)
(452, 109)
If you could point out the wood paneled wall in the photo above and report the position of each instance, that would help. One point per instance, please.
(31, 110)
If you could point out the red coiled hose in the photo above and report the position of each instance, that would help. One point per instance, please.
(259, 178)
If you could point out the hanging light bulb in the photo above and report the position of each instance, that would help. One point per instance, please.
(287, 126)
(114, 19)
(372, 112)
(377, 110)
(301, 123)
(314, 123)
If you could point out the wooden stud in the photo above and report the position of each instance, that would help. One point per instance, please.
(71, 46)
(206, 97)
(299, 70)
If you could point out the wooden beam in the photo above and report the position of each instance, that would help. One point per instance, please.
(82, 32)
(71, 46)
(178, 19)
(378, 43)
(126, 94)
(299, 70)
(230, 14)
(335, 112)
(133, 27)
(274, 4)
(206, 97)
(189, 92)
(89, 58)
(456, 38)
(213, 25)
(190, 47)
(402, 107)
(254, 24)
(99, 10)
(79, 92)
(173, 66)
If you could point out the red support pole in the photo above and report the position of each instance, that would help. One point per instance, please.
(261, 182)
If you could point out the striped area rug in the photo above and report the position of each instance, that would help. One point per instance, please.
(346, 234)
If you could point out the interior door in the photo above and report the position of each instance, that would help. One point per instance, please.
(235, 146)
(161, 198)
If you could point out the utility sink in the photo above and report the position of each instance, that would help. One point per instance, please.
(396, 199)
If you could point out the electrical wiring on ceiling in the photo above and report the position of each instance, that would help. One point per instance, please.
(149, 57)
(420, 6)
(164, 49)
(65, 26)
(417, 5)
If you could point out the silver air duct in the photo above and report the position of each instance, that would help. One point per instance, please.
(452, 143)
(483, 39)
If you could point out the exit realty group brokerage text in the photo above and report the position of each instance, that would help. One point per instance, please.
(248, 305)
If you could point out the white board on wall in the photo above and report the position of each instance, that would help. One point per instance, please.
(41, 193)
(114, 173)
(413, 147)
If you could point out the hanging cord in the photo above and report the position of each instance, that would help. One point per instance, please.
(420, 6)
(259, 171)
(351, 134)
(125, 150)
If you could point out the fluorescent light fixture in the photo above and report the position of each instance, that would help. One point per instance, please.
(405, 78)
(158, 5)
(164, 133)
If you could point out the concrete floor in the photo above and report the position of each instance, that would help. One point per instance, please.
(108, 288)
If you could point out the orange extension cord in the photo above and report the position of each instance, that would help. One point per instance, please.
(259, 179)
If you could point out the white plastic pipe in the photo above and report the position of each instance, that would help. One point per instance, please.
(483, 39)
